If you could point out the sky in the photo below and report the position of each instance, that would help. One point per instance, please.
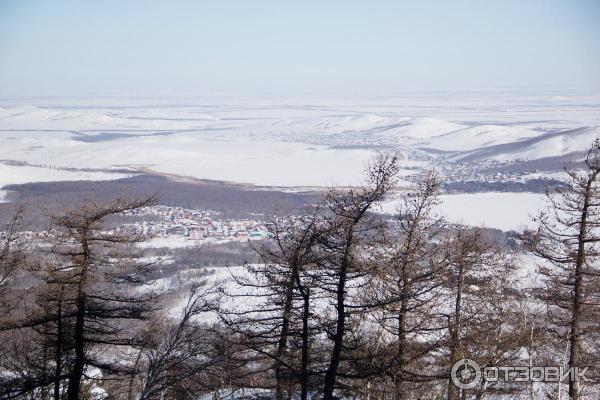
(297, 47)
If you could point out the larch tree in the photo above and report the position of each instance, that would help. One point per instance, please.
(344, 269)
(406, 284)
(483, 322)
(178, 356)
(92, 281)
(12, 252)
(568, 238)
(277, 323)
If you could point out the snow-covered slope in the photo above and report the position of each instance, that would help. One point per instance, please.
(479, 136)
(31, 117)
(391, 127)
(571, 142)
(18, 174)
(371, 127)
(421, 128)
(201, 155)
(325, 124)
(283, 142)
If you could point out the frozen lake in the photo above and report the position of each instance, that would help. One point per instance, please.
(505, 211)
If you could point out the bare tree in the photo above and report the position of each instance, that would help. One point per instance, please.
(350, 221)
(296, 250)
(406, 284)
(567, 238)
(11, 252)
(181, 352)
(85, 304)
(271, 326)
(89, 286)
(22, 351)
(484, 322)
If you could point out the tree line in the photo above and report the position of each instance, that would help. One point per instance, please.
(343, 303)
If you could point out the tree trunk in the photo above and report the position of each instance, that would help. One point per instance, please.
(79, 362)
(574, 339)
(283, 339)
(58, 354)
(304, 361)
(453, 392)
(331, 374)
(399, 378)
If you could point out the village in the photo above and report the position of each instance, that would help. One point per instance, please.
(176, 222)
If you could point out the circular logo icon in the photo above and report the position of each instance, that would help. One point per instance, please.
(466, 374)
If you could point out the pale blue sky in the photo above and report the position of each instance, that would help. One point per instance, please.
(285, 47)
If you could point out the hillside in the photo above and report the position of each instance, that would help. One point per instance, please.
(560, 144)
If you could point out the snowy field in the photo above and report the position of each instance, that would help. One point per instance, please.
(294, 142)
(282, 142)
(182, 242)
(505, 211)
(11, 175)
(172, 243)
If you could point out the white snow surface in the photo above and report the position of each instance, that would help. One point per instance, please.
(276, 141)
(479, 136)
(505, 211)
(421, 128)
(177, 242)
(12, 174)
(555, 145)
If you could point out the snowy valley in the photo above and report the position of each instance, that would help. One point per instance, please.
(509, 142)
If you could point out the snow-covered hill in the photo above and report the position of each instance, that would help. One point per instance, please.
(479, 136)
(286, 142)
(420, 128)
(565, 143)
(32, 118)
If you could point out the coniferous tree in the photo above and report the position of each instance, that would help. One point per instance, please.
(344, 269)
(484, 321)
(404, 289)
(278, 325)
(568, 237)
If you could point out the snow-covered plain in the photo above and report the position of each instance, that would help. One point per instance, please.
(505, 211)
(295, 142)
(13, 174)
(177, 242)
(275, 141)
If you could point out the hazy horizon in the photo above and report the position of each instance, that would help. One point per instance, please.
(270, 48)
